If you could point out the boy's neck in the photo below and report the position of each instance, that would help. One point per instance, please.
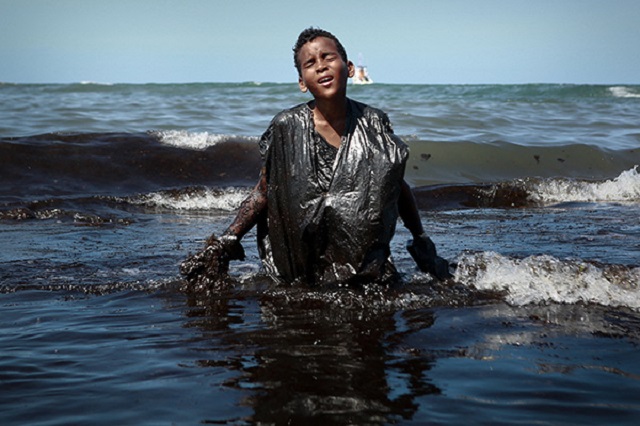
(330, 111)
(330, 120)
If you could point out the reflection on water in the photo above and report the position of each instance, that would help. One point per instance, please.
(313, 361)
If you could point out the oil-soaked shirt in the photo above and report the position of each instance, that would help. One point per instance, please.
(335, 227)
(326, 158)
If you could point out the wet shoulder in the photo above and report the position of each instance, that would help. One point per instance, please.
(372, 116)
(377, 120)
(293, 114)
(283, 123)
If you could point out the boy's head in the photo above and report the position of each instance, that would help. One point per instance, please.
(309, 35)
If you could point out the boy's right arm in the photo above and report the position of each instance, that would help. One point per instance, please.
(249, 211)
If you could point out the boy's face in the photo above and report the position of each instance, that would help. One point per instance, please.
(323, 72)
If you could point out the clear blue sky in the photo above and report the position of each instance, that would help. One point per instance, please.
(402, 41)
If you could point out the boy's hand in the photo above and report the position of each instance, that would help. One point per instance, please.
(209, 268)
(228, 245)
(423, 251)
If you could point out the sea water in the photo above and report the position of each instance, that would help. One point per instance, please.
(532, 190)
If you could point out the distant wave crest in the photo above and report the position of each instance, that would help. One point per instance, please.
(623, 92)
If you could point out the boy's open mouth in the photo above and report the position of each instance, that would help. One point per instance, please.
(325, 80)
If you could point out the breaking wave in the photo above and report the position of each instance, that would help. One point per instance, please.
(544, 279)
(192, 140)
(625, 187)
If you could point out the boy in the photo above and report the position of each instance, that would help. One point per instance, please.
(330, 191)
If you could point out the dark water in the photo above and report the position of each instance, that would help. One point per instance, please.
(533, 190)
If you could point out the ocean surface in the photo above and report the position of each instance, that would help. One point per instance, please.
(532, 190)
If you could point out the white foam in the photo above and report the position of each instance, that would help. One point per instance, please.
(623, 92)
(625, 187)
(540, 279)
(227, 200)
(94, 83)
(190, 140)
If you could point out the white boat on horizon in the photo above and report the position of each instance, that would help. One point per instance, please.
(361, 75)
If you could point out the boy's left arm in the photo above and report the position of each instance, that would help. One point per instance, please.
(421, 248)
(408, 210)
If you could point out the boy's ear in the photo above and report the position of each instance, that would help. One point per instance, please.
(303, 87)
(351, 68)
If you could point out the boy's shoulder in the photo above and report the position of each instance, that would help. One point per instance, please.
(374, 117)
(367, 111)
(295, 112)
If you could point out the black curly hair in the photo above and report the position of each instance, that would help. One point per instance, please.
(311, 34)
